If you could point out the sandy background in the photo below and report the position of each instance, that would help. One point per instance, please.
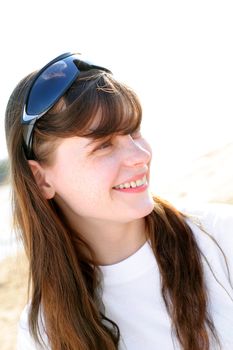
(209, 179)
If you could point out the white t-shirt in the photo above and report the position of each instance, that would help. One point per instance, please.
(132, 297)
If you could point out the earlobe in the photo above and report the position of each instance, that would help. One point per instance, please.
(41, 179)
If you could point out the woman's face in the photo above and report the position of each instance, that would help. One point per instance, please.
(85, 174)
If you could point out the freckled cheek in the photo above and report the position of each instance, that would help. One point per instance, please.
(106, 170)
(68, 177)
(93, 179)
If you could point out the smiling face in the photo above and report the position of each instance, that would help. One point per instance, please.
(100, 154)
(103, 180)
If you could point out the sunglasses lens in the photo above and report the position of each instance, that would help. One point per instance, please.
(51, 85)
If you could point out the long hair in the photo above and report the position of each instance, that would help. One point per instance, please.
(65, 282)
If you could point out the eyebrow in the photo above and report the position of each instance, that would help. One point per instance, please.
(90, 143)
(98, 140)
(93, 141)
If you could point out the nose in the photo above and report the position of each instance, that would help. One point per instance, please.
(136, 152)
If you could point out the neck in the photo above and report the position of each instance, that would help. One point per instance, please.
(112, 242)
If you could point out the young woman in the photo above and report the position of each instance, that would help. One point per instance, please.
(111, 265)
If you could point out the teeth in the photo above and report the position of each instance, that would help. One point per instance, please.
(126, 185)
(132, 184)
(139, 182)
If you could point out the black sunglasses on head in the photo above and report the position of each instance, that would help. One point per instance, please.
(48, 86)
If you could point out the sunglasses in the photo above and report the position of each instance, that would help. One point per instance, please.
(48, 86)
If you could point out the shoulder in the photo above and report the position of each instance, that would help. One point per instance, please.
(24, 338)
(212, 223)
(216, 218)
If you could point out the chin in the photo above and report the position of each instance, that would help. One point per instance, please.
(145, 209)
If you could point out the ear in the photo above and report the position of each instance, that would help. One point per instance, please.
(41, 178)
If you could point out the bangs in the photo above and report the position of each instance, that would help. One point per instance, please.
(96, 106)
(118, 110)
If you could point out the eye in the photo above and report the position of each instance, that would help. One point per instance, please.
(104, 145)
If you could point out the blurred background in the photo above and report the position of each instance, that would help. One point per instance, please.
(177, 55)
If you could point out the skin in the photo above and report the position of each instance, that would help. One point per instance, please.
(81, 180)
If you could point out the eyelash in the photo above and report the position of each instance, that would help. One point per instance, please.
(106, 144)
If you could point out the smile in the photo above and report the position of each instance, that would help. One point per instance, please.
(132, 184)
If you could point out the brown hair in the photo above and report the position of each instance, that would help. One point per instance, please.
(65, 284)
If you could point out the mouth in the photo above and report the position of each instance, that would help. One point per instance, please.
(138, 181)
